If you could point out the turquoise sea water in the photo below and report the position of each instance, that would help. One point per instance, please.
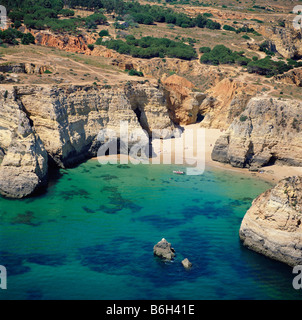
(91, 236)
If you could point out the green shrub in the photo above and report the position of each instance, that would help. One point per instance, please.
(204, 49)
(134, 72)
(150, 47)
(16, 15)
(10, 35)
(28, 38)
(268, 67)
(143, 18)
(17, 24)
(67, 13)
(104, 33)
(229, 28)
(94, 20)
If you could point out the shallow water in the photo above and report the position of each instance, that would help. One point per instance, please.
(91, 236)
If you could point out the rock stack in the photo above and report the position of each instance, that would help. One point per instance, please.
(163, 249)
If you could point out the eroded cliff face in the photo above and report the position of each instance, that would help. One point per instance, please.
(24, 166)
(269, 130)
(77, 44)
(64, 122)
(68, 119)
(287, 41)
(225, 101)
(291, 77)
(183, 102)
(273, 225)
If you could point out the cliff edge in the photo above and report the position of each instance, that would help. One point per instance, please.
(272, 226)
(268, 131)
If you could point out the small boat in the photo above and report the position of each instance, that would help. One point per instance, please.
(178, 172)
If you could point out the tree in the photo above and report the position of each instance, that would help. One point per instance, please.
(213, 25)
(200, 21)
(104, 33)
(204, 49)
(27, 38)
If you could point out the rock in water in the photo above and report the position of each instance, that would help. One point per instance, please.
(273, 225)
(186, 263)
(164, 250)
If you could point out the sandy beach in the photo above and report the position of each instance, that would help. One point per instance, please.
(169, 150)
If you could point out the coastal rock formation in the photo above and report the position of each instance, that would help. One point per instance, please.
(187, 264)
(64, 124)
(268, 131)
(69, 119)
(224, 102)
(24, 168)
(183, 102)
(163, 249)
(273, 226)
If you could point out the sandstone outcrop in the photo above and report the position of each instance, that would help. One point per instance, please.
(272, 226)
(183, 102)
(24, 168)
(224, 102)
(163, 249)
(291, 77)
(268, 131)
(286, 40)
(77, 44)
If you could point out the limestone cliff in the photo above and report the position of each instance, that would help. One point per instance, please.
(24, 160)
(269, 130)
(68, 119)
(64, 122)
(273, 226)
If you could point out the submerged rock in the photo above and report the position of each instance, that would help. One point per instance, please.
(164, 250)
(186, 263)
(273, 225)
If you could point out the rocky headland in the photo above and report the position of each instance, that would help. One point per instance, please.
(268, 131)
(60, 124)
(24, 160)
(272, 226)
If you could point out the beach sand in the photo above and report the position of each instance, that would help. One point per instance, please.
(170, 149)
